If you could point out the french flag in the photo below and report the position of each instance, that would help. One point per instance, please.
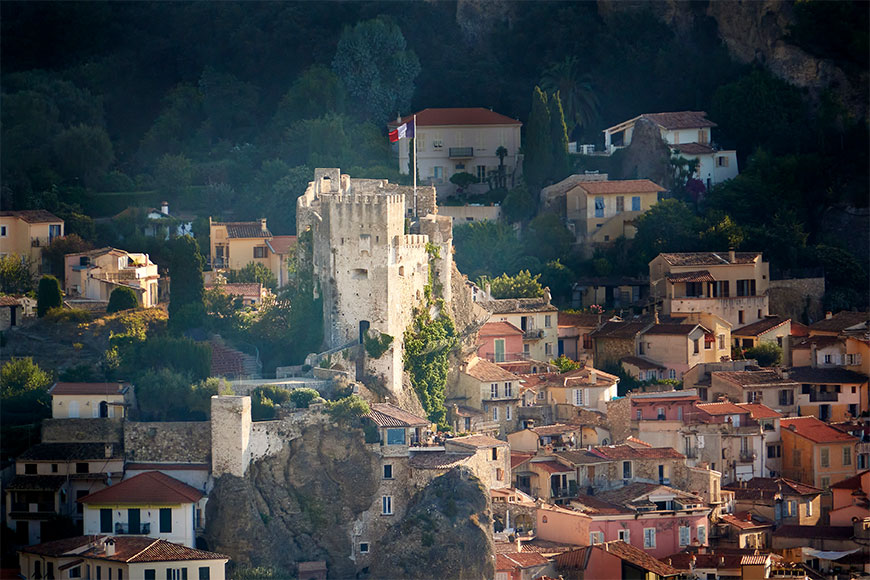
(403, 131)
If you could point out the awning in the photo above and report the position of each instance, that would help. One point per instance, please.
(812, 552)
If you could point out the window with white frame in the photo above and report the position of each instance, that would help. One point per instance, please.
(649, 537)
(596, 538)
(641, 375)
(672, 374)
(548, 321)
(387, 505)
(578, 397)
(702, 535)
(599, 207)
(493, 390)
(508, 389)
(624, 535)
(495, 413)
(363, 547)
(507, 413)
(685, 535)
(626, 469)
(548, 349)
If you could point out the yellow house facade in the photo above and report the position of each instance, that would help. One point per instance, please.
(234, 245)
(90, 400)
(731, 285)
(25, 233)
(815, 453)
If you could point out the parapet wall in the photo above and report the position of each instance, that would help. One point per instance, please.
(177, 442)
(82, 430)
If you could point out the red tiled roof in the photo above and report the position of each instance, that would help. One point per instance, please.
(457, 116)
(521, 560)
(680, 119)
(552, 466)
(708, 258)
(623, 186)
(759, 411)
(830, 375)
(692, 149)
(501, 328)
(551, 430)
(634, 440)
(624, 452)
(815, 430)
(150, 487)
(483, 370)
(245, 229)
(281, 244)
(9, 301)
(578, 319)
(612, 329)
(761, 326)
(768, 487)
(740, 521)
(761, 378)
(853, 482)
(578, 559)
(88, 388)
(592, 506)
(641, 363)
(387, 415)
(248, 290)
(478, 441)
(32, 216)
(723, 408)
(820, 340)
(671, 329)
(840, 321)
(518, 458)
(696, 276)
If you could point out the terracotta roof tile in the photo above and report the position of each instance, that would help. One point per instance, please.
(695, 276)
(641, 363)
(457, 116)
(761, 378)
(387, 415)
(620, 452)
(517, 458)
(483, 370)
(525, 559)
(613, 329)
(478, 441)
(759, 411)
(89, 388)
(578, 559)
(551, 466)
(768, 487)
(709, 258)
(578, 319)
(32, 216)
(671, 329)
(830, 375)
(9, 301)
(740, 521)
(815, 430)
(552, 430)
(622, 186)
(245, 229)
(692, 149)
(820, 340)
(853, 482)
(436, 460)
(760, 327)
(680, 119)
(840, 321)
(501, 328)
(281, 244)
(149, 487)
(723, 408)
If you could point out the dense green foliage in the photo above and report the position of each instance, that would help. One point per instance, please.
(523, 285)
(16, 275)
(167, 395)
(254, 272)
(302, 397)
(61, 315)
(122, 298)
(565, 364)
(48, 295)
(348, 409)
(376, 345)
(428, 343)
(538, 146)
(186, 307)
(21, 376)
(263, 401)
(24, 403)
(767, 354)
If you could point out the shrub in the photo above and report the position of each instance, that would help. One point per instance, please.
(348, 409)
(766, 353)
(48, 296)
(122, 298)
(302, 397)
(376, 346)
(60, 315)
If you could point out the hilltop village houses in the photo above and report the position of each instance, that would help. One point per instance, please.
(662, 451)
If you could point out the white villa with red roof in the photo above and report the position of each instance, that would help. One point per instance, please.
(460, 140)
(688, 135)
(119, 557)
(149, 504)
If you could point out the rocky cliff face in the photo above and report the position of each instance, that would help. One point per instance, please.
(297, 505)
(444, 534)
(757, 31)
(301, 504)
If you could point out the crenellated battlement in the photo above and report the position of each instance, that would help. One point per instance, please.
(363, 198)
(411, 241)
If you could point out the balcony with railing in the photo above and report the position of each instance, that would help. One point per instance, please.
(747, 456)
(561, 492)
(142, 529)
(495, 357)
(31, 511)
(460, 152)
(533, 334)
(818, 397)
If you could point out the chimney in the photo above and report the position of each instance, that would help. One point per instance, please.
(722, 561)
(108, 450)
(164, 208)
(519, 544)
(110, 547)
(656, 316)
(732, 256)
(263, 224)
(748, 515)
(829, 315)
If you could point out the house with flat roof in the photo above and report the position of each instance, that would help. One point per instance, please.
(96, 273)
(732, 285)
(460, 140)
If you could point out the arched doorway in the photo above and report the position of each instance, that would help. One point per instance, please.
(363, 328)
(104, 409)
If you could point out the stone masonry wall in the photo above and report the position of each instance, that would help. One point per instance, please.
(178, 442)
(619, 419)
(799, 299)
(83, 430)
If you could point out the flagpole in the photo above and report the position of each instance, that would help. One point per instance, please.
(415, 165)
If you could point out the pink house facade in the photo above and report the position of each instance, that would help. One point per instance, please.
(850, 499)
(500, 342)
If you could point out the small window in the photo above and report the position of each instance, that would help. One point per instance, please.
(364, 548)
(847, 456)
(596, 538)
(395, 436)
(702, 534)
(260, 252)
(2, 231)
(635, 203)
(204, 573)
(649, 537)
(548, 321)
(30, 469)
(826, 483)
(54, 467)
(672, 374)
(825, 457)
(150, 574)
(388, 471)
(507, 413)
(495, 453)
(77, 573)
(82, 467)
(387, 505)
(626, 469)
(599, 207)
(105, 521)
(495, 413)
(639, 415)
(165, 520)
(624, 535)
(620, 204)
(685, 534)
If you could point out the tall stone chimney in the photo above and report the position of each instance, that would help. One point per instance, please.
(164, 208)
(263, 224)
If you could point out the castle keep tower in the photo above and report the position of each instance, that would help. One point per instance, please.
(371, 274)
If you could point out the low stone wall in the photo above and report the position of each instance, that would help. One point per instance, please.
(176, 442)
(82, 430)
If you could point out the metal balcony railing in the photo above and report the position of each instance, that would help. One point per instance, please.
(142, 529)
(460, 152)
(747, 456)
(533, 334)
(823, 397)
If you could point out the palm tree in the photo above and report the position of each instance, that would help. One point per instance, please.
(578, 94)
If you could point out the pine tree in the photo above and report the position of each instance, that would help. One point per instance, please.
(559, 134)
(538, 149)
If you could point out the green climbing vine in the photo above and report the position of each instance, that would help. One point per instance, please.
(376, 346)
(428, 342)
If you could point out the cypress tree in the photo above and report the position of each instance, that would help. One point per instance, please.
(48, 295)
(561, 167)
(538, 148)
(186, 291)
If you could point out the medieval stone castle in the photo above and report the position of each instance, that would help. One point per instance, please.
(374, 247)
